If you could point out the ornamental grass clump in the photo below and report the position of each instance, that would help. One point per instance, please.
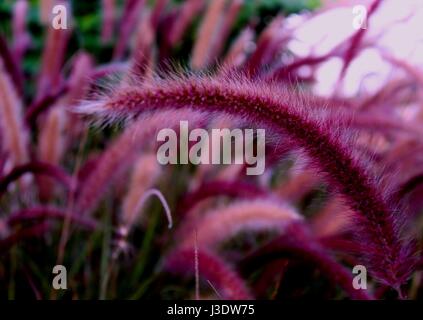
(82, 183)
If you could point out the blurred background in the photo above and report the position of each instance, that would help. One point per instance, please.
(75, 194)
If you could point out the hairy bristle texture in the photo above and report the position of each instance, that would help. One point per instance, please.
(285, 112)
